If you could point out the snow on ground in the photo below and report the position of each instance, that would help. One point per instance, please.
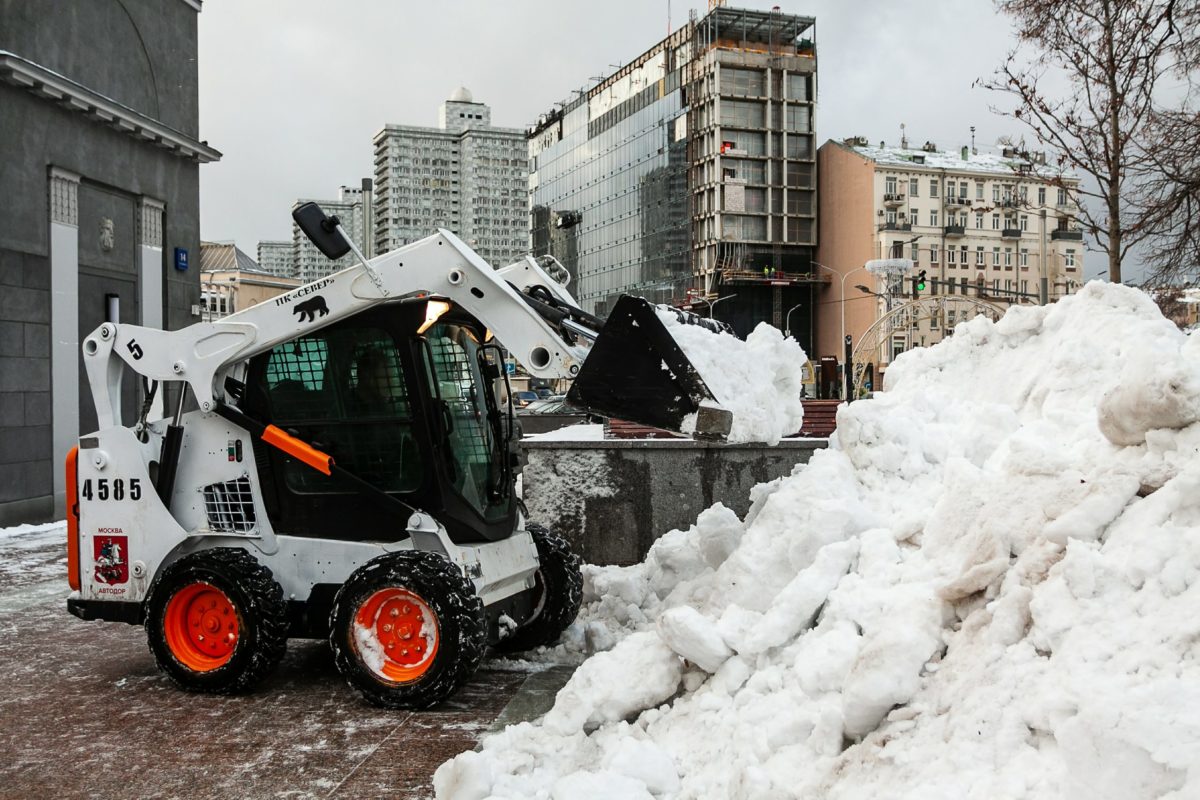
(758, 379)
(987, 588)
(582, 432)
(25, 557)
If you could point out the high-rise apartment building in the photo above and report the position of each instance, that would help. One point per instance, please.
(464, 175)
(989, 230)
(687, 176)
(309, 262)
(275, 257)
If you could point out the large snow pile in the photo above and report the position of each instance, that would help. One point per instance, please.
(975, 593)
(758, 379)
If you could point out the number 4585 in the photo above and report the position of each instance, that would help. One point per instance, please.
(113, 489)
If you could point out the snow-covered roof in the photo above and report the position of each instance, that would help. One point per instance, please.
(991, 163)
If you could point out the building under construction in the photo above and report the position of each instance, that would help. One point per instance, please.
(688, 175)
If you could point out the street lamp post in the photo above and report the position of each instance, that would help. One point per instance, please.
(787, 320)
(712, 303)
(841, 291)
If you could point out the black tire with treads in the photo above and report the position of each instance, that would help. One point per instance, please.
(461, 627)
(560, 592)
(257, 600)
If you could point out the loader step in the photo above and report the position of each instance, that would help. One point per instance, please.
(107, 610)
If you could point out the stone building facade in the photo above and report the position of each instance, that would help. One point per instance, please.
(99, 133)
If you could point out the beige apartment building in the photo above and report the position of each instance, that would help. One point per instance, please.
(230, 281)
(988, 229)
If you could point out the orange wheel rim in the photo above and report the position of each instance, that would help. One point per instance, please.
(396, 635)
(201, 627)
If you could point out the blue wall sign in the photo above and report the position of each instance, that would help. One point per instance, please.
(181, 256)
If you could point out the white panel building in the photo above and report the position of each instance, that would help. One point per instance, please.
(310, 263)
(464, 175)
(275, 257)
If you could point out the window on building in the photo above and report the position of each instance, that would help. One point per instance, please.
(978, 190)
(962, 285)
(995, 222)
(979, 220)
(798, 119)
(1024, 222)
(933, 217)
(933, 254)
(914, 186)
(1008, 258)
(962, 190)
(995, 193)
(891, 217)
(914, 252)
(995, 256)
(889, 185)
(933, 187)
(1041, 195)
(950, 256)
(744, 82)
(1069, 259)
(912, 217)
(1024, 259)
(797, 87)
(1062, 197)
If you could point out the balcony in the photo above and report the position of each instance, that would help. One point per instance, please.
(1010, 202)
(955, 230)
(893, 199)
(956, 202)
(895, 226)
(1011, 233)
(1067, 234)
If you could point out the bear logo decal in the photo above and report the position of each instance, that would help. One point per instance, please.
(310, 308)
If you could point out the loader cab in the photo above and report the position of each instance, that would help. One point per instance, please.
(405, 401)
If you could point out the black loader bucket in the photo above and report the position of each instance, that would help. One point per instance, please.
(636, 371)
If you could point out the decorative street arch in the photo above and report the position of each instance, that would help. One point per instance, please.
(874, 347)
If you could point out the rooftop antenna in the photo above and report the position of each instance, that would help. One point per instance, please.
(903, 138)
(974, 152)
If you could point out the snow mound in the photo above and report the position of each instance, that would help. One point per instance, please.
(758, 379)
(986, 588)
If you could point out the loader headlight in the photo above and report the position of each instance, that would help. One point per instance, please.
(433, 311)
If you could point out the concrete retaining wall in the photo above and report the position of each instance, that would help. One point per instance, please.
(612, 499)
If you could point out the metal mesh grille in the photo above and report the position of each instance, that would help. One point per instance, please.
(230, 506)
(458, 389)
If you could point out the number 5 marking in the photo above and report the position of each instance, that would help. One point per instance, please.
(136, 349)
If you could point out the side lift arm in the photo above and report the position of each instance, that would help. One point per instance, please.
(543, 334)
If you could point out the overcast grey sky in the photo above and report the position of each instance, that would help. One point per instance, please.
(293, 92)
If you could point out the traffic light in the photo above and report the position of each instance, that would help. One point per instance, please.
(918, 285)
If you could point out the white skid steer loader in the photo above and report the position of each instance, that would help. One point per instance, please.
(348, 470)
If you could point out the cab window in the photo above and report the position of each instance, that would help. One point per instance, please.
(344, 392)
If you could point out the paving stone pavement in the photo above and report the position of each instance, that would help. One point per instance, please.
(85, 713)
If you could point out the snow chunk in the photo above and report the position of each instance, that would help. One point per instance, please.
(640, 672)
(759, 379)
(693, 636)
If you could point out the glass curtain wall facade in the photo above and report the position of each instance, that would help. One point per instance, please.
(610, 195)
(688, 176)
